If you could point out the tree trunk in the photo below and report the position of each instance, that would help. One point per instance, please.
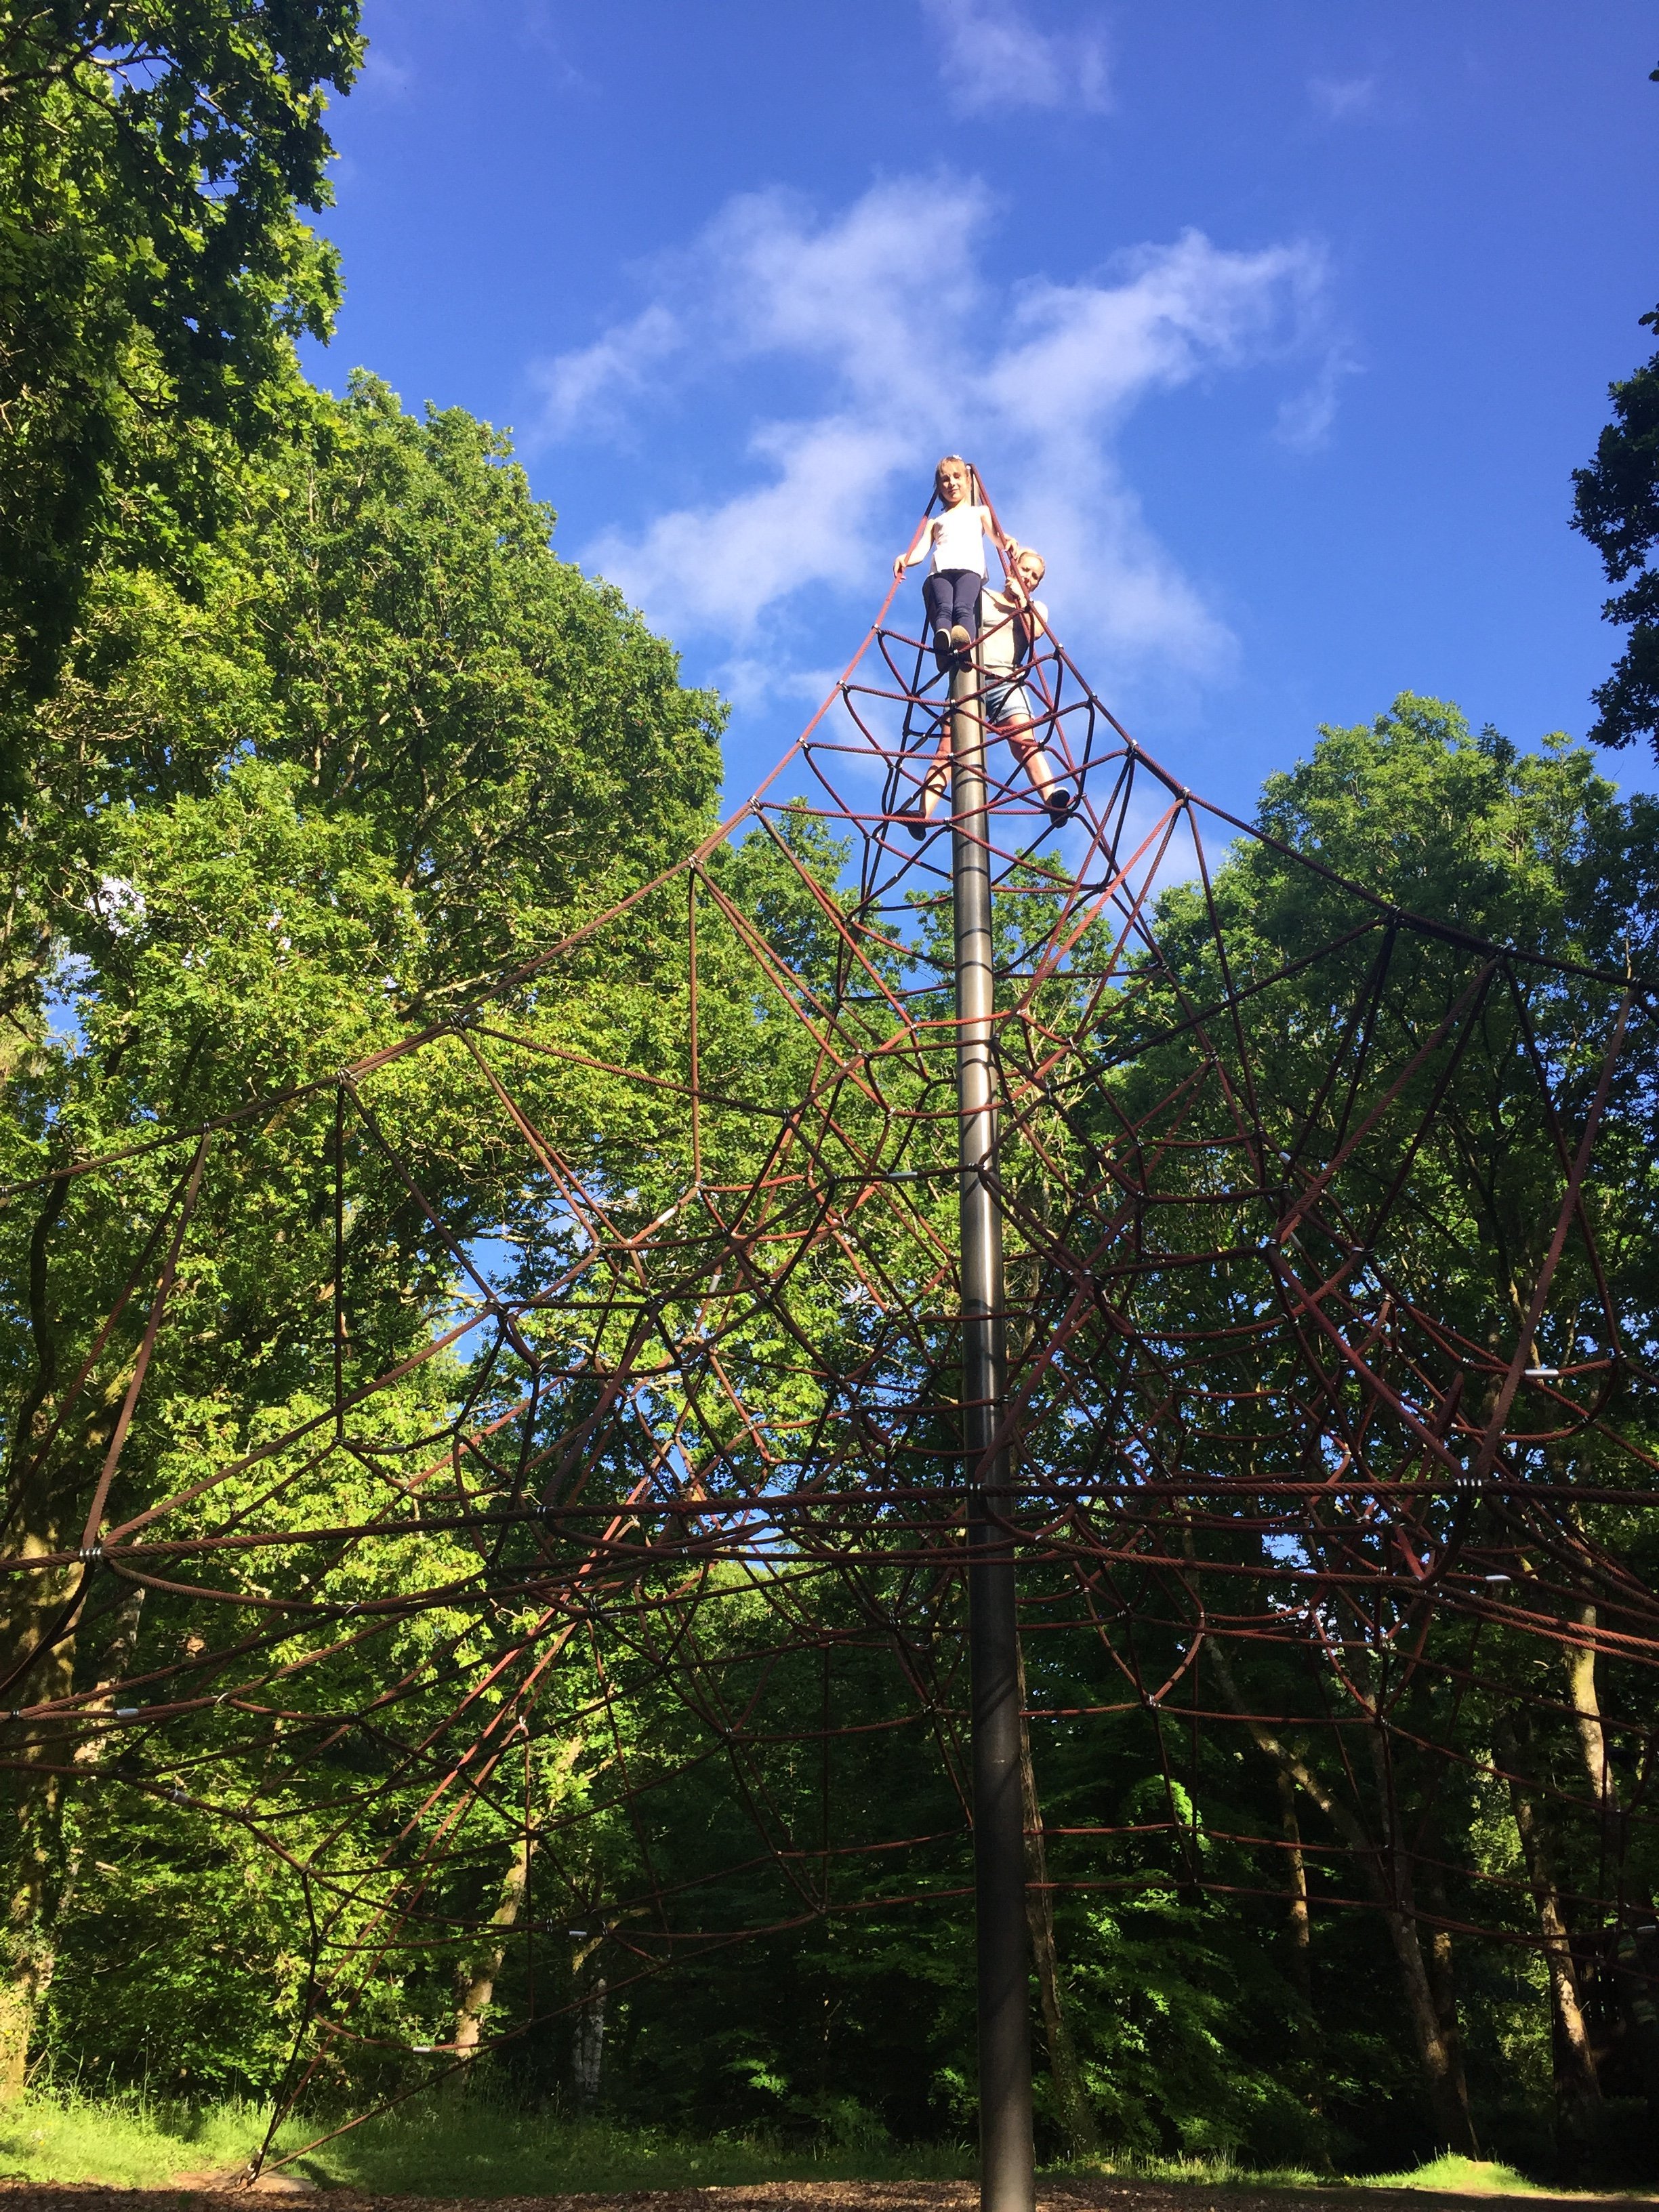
(1441, 2068)
(1301, 1940)
(1077, 2120)
(1593, 1736)
(1442, 1985)
(587, 2041)
(36, 1801)
(1577, 2086)
(475, 1983)
(1443, 2073)
(475, 1979)
(41, 1505)
(44, 1872)
(34, 1794)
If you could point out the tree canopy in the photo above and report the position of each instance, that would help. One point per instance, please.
(155, 157)
(1616, 506)
(325, 768)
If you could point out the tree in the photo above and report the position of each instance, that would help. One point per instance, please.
(1423, 1101)
(385, 742)
(1616, 506)
(154, 268)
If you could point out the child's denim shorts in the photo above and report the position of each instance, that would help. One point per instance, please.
(1005, 702)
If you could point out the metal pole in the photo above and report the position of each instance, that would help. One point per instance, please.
(1007, 2175)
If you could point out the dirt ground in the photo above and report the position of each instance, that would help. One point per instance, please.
(1055, 2195)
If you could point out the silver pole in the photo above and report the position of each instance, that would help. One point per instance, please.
(1007, 2165)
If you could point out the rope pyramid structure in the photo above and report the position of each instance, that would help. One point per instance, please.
(572, 1608)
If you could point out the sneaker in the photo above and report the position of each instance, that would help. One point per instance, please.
(916, 824)
(960, 642)
(1061, 805)
(942, 647)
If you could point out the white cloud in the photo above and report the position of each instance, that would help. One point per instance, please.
(1337, 98)
(752, 681)
(1305, 418)
(383, 78)
(590, 387)
(718, 568)
(878, 301)
(544, 32)
(1080, 352)
(993, 58)
(870, 293)
(904, 350)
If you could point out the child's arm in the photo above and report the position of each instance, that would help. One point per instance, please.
(918, 546)
(1033, 620)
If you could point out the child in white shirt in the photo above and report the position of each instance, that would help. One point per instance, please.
(1013, 621)
(956, 576)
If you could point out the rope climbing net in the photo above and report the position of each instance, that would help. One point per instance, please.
(574, 1593)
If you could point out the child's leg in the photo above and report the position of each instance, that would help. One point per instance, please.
(951, 598)
(939, 774)
(1022, 739)
(966, 584)
(937, 597)
(1033, 759)
(934, 784)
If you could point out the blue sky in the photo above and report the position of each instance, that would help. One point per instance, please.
(1279, 329)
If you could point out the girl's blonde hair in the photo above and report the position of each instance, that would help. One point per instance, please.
(1019, 553)
(941, 465)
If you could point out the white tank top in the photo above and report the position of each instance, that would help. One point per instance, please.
(960, 543)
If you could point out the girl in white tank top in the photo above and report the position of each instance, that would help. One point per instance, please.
(956, 574)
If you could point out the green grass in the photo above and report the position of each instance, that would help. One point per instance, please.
(123, 2143)
(1471, 2176)
(476, 2147)
(435, 2150)
(428, 2148)
(1468, 2175)
(1216, 2172)
(1446, 2174)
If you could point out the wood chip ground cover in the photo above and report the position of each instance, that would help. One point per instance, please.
(1069, 2194)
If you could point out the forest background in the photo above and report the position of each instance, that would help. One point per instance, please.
(305, 732)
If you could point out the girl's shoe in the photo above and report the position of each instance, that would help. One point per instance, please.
(1061, 805)
(942, 647)
(960, 642)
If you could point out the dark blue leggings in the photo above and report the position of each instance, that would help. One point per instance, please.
(951, 595)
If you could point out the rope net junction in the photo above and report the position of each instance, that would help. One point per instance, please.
(608, 1615)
